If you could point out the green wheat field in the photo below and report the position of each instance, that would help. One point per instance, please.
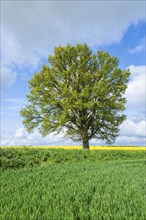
(59, 184)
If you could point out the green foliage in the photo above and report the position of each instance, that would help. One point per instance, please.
(19, 158)
(80, 92)
(82, 191)
(14, 158)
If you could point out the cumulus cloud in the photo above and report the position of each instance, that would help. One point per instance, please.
(133, 129)
(135, 92)
(8, 78)
(31, 29)
(21, 133)
(22, 137)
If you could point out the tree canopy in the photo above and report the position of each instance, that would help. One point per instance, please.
(80, 92)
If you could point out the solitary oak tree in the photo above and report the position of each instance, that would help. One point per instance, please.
(79, 91)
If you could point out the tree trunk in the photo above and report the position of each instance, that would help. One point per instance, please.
(85, 143)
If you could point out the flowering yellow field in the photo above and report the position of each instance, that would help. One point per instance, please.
(133, 148)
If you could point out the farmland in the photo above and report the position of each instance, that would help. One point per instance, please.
(58, 184)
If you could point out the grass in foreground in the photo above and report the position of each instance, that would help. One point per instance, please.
(111, 190)
(57, 184)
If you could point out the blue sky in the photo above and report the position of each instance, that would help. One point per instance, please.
(30, 31)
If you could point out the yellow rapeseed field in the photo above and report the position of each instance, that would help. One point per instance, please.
(127, 148)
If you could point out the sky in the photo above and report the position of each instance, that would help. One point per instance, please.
(31, 29)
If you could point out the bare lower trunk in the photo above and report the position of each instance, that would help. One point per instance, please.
(86, 144)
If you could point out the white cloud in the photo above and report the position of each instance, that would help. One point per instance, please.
(15, 52)
(135, 92)
(21, 133)
(130, 128)
(132, 133)
(30, 29)
(22, 137)
(8, 78)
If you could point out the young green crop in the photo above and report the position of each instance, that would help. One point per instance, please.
(78, 191)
